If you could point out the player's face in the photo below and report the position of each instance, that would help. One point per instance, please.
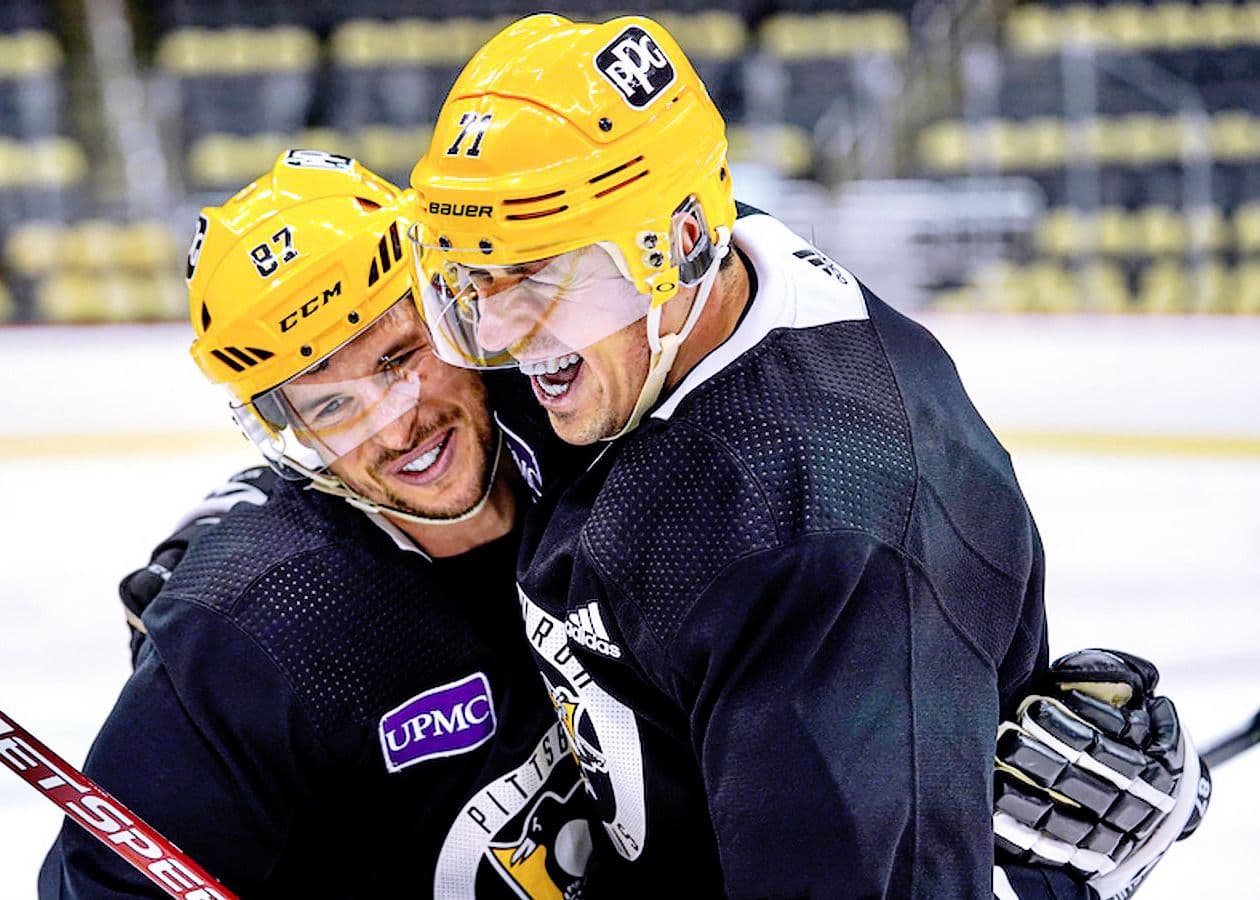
(433, 459)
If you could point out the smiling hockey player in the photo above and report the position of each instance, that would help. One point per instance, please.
(333, 699)
(790, 601)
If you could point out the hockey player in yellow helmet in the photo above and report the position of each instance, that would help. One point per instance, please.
(301, 300)
(575, 215)
(805, 552)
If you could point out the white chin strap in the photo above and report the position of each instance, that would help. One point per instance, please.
(665, 347)
(331, 484)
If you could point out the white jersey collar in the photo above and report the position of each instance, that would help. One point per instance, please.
(795, 289)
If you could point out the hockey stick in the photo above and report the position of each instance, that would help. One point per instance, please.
(1230, 746)
(105, 818)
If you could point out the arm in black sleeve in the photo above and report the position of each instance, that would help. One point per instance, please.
(844, 726)
(208, 747)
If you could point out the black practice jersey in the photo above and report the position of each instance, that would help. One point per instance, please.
(781, 618)
(320, 710)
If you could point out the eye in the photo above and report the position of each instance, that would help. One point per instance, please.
(333, 410)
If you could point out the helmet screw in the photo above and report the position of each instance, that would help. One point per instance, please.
(486, 246)
(648, 240)
(306, 350)
(655, 259)
(605, 124)
(444, 242)
(353, 318)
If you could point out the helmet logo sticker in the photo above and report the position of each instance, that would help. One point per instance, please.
(310, 307)
(470, 124)
(194, 249)
(265, 261)
(318, 159)
(636, 66)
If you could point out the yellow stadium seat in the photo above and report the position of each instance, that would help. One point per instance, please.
(56, 162)
(1162, 288)
(357, 43)
(8, 307)
(1119, 234)
(1176, 24)
(12, 169)
(24, 54)
(1211, 287)
(1051, 289)
(1235, 137)
(1064, 232)
(97, 243)
(1163, 230)
(1101, 287)
(1247, 228)
(1247, 288)
(1126, 26)
(384, 148)
(1033, 29)
(69, 297)
(32, 248)
(1221, 24)
(1047, 143)
(885, 32)
(711, 35)
(1207, 230)
(1080, 25)
(147, 246)
(787, 149)
(1152, 140)
(943, 147)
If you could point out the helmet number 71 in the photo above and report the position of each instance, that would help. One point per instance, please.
(476, 125)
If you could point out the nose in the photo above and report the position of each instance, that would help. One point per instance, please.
(397, 434)
(502, 324)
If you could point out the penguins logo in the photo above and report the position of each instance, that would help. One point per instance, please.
(547, 859)
(584, 744)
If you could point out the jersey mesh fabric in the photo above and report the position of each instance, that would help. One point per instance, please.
(813, 423)
(324, 607)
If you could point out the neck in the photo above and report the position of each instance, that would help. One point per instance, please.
(494, 520)
(717, 320)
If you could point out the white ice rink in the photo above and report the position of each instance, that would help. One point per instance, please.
(1155, 549)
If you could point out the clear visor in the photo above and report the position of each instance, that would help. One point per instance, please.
(495, 316)
(373, 382)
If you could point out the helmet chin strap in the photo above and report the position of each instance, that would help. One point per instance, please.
(665, 347)
(331, 484)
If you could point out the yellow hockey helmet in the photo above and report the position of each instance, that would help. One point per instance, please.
(559, 136)
(290, 268)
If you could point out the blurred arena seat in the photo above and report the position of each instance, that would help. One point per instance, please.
(32, 94)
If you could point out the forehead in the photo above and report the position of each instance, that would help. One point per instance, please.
(397, 330)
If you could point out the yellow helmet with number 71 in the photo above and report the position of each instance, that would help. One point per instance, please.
(567, 151)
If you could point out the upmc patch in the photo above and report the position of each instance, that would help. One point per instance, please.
(636, 66)
(443, 721)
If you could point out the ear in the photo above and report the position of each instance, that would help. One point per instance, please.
(689, 232)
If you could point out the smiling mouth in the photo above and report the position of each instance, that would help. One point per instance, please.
(429, 458)
(553, 377)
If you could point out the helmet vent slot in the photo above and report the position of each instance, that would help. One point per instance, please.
(629, 181)
(611, 172)
(538, 214)
(532, 199)
(205, 317)
(241, 355)
(367, 205)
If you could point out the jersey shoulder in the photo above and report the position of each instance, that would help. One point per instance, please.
(351, 621)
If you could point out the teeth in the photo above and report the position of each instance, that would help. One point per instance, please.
(552, 390)
(422, 462)
(550, 366)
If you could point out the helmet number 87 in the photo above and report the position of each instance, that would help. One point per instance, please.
(266, 261)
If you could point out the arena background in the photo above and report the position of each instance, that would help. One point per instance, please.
(1068, 195)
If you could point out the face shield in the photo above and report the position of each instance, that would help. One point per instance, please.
(496, 316)
(374, 381)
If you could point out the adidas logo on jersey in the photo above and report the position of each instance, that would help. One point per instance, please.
(586, 626)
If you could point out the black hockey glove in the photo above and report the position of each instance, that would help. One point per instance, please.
(1096, 773)
(140, 587)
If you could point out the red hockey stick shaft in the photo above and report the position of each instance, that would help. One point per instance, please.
(105, 818)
